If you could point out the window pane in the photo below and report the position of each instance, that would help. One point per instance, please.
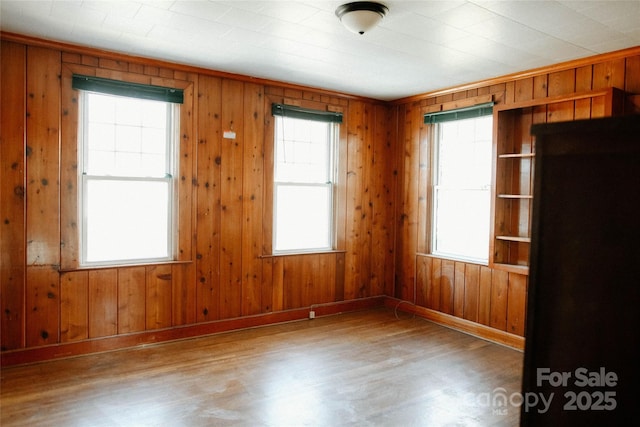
(126, 220)
(462, 227)
(461, 188)
(302, 150)
(464, 153)
(303, 217)
(126, 136)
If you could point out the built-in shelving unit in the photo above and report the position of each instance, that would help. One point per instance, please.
(514, 165)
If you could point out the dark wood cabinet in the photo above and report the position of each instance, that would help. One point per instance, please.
(584, 291)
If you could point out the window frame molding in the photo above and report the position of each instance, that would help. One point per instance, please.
(339, 201)
(429, 137)
(171, 153)
(70, 195)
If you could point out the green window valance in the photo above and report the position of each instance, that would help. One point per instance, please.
(459, 114)
(306, 114)
(133, 90)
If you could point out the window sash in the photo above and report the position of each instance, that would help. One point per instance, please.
(302, 224)
(167, 243)
(123, 211)
(461, 223)
(300, 219)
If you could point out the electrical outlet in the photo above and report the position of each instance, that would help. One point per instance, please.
(312, 314)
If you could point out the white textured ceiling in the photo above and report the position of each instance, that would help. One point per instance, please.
(420, 46)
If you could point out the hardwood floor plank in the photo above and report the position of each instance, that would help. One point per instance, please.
(372, 367)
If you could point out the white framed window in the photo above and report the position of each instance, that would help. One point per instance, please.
(461, 196)
(304, 171)
(127, 161)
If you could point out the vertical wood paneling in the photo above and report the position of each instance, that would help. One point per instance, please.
(632, 71)
(183, 297)
(484, 296)
(266, 296)
(43, 158)
(383, 193)
(307, 279)
(278, 284)
(584, 76)
(131, 299)
(423, 279)
(42, 213)
(74, 306)
(69, 231)
(447, 286)
(226, 227)
(524, 89)
(433, 290)
(12, 194)
(609, 74)
(632, 83)
(208, 198)
(231, 201)
(471, 291)
(292, 282)
(326, 287)
(410, 131)
(340, 277)
(560, 83)
(499, 289)
(187, 175)
(43, 306)
(516, 304)
(540, 86)
(252, 178)
(458, 292)
(357, 202)
(158, 297)
(424, 183)
(103, 303)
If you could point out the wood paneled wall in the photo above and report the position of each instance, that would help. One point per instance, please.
(224, 267)
(478, 293)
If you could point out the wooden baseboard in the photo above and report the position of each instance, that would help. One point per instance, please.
(99, 345)
(463, 325)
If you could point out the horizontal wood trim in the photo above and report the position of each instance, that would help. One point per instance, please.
(286, 254)
(511, 268)
(467, 102)
(575, 96)
(149, 62)
(466, 326)
(590, 60)
(117, 266)
(446, 258)
(72, 349)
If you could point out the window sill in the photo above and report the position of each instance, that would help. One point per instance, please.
(107, 267)
(450, 258)
(285, 254)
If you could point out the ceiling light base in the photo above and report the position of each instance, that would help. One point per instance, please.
(361, 16)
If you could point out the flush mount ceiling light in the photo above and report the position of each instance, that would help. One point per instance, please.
(361, 16)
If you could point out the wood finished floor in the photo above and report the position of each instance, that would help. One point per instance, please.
(372, 368)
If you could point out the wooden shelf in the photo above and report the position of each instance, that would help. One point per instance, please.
(515, 239)
(513, 169)
(512, 268)
(516, 155)
(515, 196)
